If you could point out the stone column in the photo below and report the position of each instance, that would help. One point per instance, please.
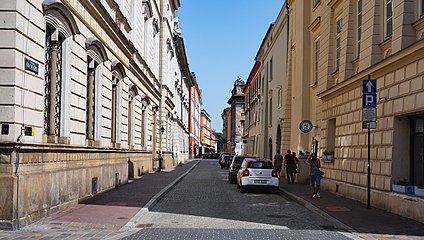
(90, 105)
(53, 86)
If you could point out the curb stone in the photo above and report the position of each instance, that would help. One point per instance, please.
(341, 226)
(128, 228)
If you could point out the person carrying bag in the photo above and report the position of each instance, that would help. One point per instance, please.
(315, 174)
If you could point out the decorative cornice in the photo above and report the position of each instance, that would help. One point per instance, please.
(401, 58)
(315, 24)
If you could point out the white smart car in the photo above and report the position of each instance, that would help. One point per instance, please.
(257, 173)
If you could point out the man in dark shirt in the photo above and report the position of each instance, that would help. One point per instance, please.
(290, 165)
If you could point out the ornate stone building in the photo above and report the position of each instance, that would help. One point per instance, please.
(88, 99)
(236, 122)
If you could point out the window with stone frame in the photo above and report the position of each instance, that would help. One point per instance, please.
(143, 123)
(53, 81)
(90, 118)
(388, 18)
(338, 40)
(116, 106)
(315, 2)
(358, 26)
(420, 8)
(131, 110)
(316, 49)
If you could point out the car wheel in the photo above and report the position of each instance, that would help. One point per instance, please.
(242, 189)
(238, 186)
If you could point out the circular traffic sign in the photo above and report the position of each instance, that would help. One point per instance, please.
(305, 126)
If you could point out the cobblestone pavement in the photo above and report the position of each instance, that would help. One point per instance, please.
(205, 206)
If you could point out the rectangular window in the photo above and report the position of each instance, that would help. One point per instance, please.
(270, 112)
(315, 2)
(316, 60)
(271, 70)
(420, 8)
(338, 40)
(359, 27)
(388, 18)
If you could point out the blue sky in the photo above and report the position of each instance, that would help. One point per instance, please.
(222, 38)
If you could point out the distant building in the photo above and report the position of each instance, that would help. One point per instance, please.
(194, 120)
(253, 106)
(237, 120)
(205, 132)
(226, 130)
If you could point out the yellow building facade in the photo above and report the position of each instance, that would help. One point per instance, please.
(333, 46)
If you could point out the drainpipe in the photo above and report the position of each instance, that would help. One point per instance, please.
(19, 142)
(161, 84)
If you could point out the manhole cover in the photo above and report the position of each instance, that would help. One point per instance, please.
(117, 204)
(276, 216)
(144, 225)
(338, 209)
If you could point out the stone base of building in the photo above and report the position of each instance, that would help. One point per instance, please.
(408, 206)
(37, 180)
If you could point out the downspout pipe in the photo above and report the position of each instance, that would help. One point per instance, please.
(161, 84)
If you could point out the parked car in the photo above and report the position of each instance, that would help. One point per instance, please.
(223, 153)
(255, 173)
(226, 161)
(235, 167)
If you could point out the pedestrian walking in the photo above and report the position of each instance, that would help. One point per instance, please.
(296, 160)
(278, 161)
(290, 165)
(314, 174)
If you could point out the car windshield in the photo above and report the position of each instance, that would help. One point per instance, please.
(228, 158)
(261, 165)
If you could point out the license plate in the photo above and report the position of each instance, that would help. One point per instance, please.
(260, 181)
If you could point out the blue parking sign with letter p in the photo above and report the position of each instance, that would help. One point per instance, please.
(369, 100)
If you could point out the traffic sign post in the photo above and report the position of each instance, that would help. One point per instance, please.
(369, 121)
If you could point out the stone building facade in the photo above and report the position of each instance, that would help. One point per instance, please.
(205, 132)
(88, 99)
(252, 112)
(194, 117)
(236, 123)
(351, 42)
(331, 47)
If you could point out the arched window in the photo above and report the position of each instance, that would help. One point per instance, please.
(144, 104)
(60, 28)
(131, 109)
(96, 55)
(147, 14)
(118, 73)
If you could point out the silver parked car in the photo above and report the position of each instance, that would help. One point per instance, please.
(257, 173)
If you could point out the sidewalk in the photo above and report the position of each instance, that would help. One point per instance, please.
(354, 216)
(105, 215)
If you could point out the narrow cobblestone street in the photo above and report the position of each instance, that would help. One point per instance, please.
(205, 206)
